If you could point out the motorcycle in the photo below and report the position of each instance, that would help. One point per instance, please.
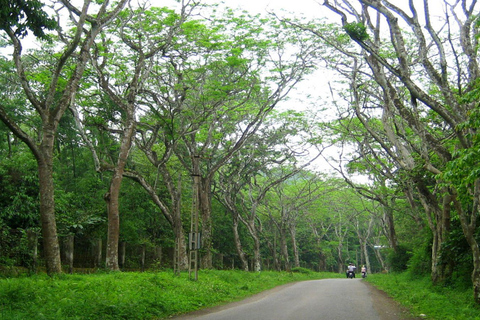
(350, 274)
(364, 274)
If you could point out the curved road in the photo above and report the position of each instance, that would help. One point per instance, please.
(328, 299)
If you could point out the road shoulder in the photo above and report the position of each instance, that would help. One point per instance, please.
(386, 307)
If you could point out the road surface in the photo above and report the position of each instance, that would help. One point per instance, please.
(328, 299)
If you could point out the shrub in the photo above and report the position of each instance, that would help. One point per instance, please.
(421, 261)
(301, 270)
(398, 260)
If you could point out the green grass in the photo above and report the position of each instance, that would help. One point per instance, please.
(132, 295)
(421, 297)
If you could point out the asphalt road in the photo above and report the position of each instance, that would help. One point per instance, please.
(328, 299)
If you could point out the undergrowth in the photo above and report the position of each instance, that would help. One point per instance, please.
(425, 300)
(132, 295)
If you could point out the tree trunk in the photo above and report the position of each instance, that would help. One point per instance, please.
(69, 245)
(177, 225)
(121, 254)
(97, 253)
(296, 258)
(272, 246)
(470, 236)
(47, 208)
(439, 223)
(476, 276)
(469, 227)
(181, 250)
(380, 259)
(257, 258)
(112, 197)
(322, 261)
(341, 264)
(365, 253)
(158, 255)
(143, 252)
(238, 244)
(32, 240)
(206, 215)
(390, 227)
(113, 233)
(284, 249)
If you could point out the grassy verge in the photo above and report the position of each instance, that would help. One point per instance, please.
(418, 295)
(132, 295)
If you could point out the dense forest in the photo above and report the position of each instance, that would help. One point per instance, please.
(137, 137)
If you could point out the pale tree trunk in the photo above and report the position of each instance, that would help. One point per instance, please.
(476, 273)
(171, 212)
(322, 263)
(206, 217)
(177, 225)
(363, 240)
(97, 253)
(158, 255)
(69, 245)
(293, 234)
(250, 224)
(181, 252)
(439, 222)
(238, 243)
(273, 250)
(469, 227)
(257, 258)
(380, 259)
(32, 239)
(365, 254)
(341, 263)
(340, 234)
(284, 248)
(122, 254)
(322, 260)
(143, 253)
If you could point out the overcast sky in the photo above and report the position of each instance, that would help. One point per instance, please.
(309, 8)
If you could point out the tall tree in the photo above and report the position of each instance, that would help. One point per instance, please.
(227, 99)
(244, 181)
(50, 99)
(422, 84)
(123, 69)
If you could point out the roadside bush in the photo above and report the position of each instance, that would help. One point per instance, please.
(398, 260)
(420, 263)
(301, 270)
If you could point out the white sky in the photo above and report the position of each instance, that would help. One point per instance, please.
(309, 8)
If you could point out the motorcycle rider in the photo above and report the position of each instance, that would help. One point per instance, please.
(351, 268)
(364, 271)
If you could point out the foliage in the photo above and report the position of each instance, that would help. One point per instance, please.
(21, 15)
(420, 264)
(131, 295)
(301, 270)
(398, 260)
(356, 30)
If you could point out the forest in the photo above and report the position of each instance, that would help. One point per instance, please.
(136, 136)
